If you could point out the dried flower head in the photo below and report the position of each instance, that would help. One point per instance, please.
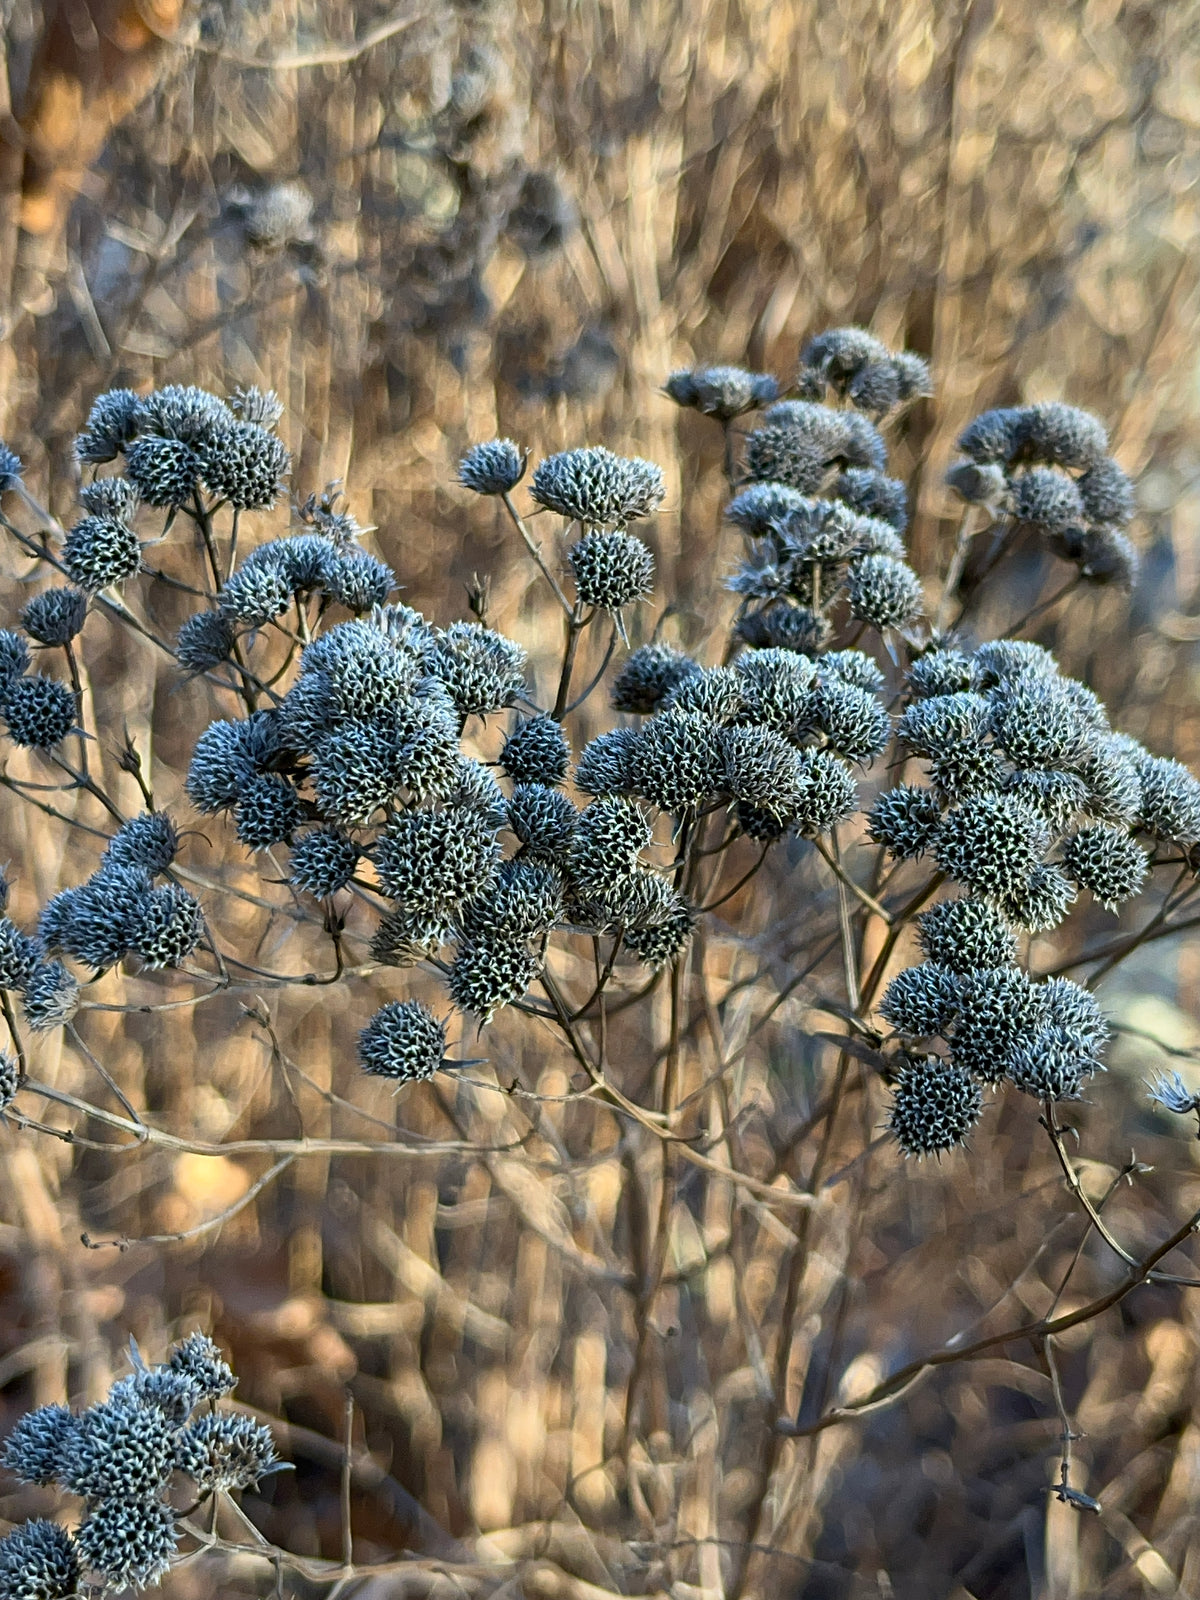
(403, 1041)
(648, 676)
(598, 488)
(34, 1449)
(99, 551)
(998, 1010)
(204, 641)
(492, 468)
(323, 861)
(199, 1358)
(536, 751)
(991, 843)
(921, 1001)
(171, 926)
(112, 422)
(431, 862)
(722, 392)
(51, 996)
(165, 471)
(605, 764)
(906, 819)
(764, 507)
(611, 569)
(852, 719)
(224, 1451)
(966, 935)
(677, 763)
(935, 1106)
(245, 464)
(489, 974)
(38, 712)
(268, 810)
(39, 1561)
(1105, 860)
(55, 616)
(130, 1541)
(884, 591)
(148, 840)
(482, 670)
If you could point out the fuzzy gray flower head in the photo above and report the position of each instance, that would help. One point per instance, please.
(941, 671)
(224, 1451)
(431, 862)
(921, 1001)
(906, 820)
(1105, 556)
(1037, 724)
(19, 955)
(761, 769)
(14, 657)
(841, 438)
(543, 819)
(1003, 660)
(873, 494)
(1047, 500)
(978, 485)
(164, 471)
(781, 626)
(1107, 495)
(935, 1106)
(131, 1542)
(482, 670)
(186, 413)
(712, 692)
(1050, 1065)
(1170, 801)
(966, 936)
(722, 392)
(999, 1009)
(34, 1449)
(658, 946)
(1060, 435)
(991, 843)
(611, 570)
(199, 1358)
(204, 641)
(99, 551)
(489, 974)
(323, 861)
(778, 688)
(1167, 1089)
(524, 902)
(121, 1448)
(258, 591)
(1042, 902)
(38, 712)
(39, 1561)
(677, 763)
(170, 927)
(852, 720)
(55, 616)
(359, 582)
(245, 465)
(112, 422)
(148, 840)
(648, 676)
(1105, 860)
(610, 835)
(268, 810)
(942, 724)
(111, 497)
(51, 997)
(493, 468)
(778, 455)
(536, 751)
(830, 793)
(992, 437)
(97, 922)
(763, 507)
(262, 407)
(598, 488)
(884, 592)
(403, 1041)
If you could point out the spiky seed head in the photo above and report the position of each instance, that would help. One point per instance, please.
(359, 582)
(165, 472)
(941, 724)
(38, 712)
(966, 935)
(998, 1009)
(256, 593)
(874, 388)
(172, 1393)
(873, 494)
(677, 764)
(1049, 1064)
(524, 902)
(1002, 660)
(921, 1001)
(1105, 860)
(1110, 777)
(131, 1542)
(403, 940)
(967, 769)
(1107, 495)
(1170, 803)
(542, 819)
(1058, 797)
(39, 1561)
(715, 693)
(884, 592)
(978, 485)
(34, 1449)
(121, 1448)
(778, 688)
(97, 922)
(492, 468)
(114, 419)
(853, 666)
(403, 1041)
(763, 507)
(185, 412)
(658, 946)
(611, 569)
(431, 862)
(171, 927)
(19, 955)
(605, 765)
(111, 497)
(268, 810)
(722, 392)
(935, 1106)
(482, 670)
(610, 834)
(224, 1451)
(323, 861)
(245, 465)
(830, 793)
(648, 676)
(1060, 435)
(852, 719)
(306, 560)
(489, 974)
(991, 843)
(598, 488)
(51, 997)
(355, 772)
(536, 751)
(148, 840)
(1037, 724)
(1041, 903)
(993, 436)
(199, 1358)
(906, 819)
(777, 454)
(14, 657)
(1048, 500)
(204, 641)
(55, 616)
(761, 769)
(99, 551)
(261, 406)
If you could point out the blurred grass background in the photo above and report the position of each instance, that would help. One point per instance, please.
(430, 224)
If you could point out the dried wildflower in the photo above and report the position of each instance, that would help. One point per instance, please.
(431, 862)
(991, 843)
(268, 810)
(1060, 435)
(323, 861)
(130, 1541)
(778, 688)
(1106, 556)
(403, 1041)
(355, 773)
(611, 569)
(111, 497)
(112, 422)
(658, 946)
(99, 551)
(761, 769)
(605, 764)
(33, 1450)
(855, 667)
(852, 720)
(164, 471)
(965, 770)
(965, 936)
(492, 468)
(218, 767)
(598, 488)
(524, 902)
(764, 507)
(1050, 1065)
(648, 676)
(224, 1451)
(722, 392)
(38, 712)
(1107, 494)
(245, 465)
(1058, 797)
(186, 413)
(14, 658)
(1037, 724)
(610, 835)
(261, 406)
(778, 454)
(476, 790)
(1069, 1005)
(993, 436)
(715, 693)
(677, 763)
(306, 560)
(39, 1561)
(542, 819)
(121, 1448)
(148, 840)
(884, 591)
(941, 724)
(51, 997)
(1167, 1090)
(1002, 660)
(19, 955)
(97, 922)
(1110, 776)
(842, 438)
(197, 1357)
(830, 793)
(838, 353)
(204, 641)
(55, 616)
(257, 592)
(536, 751)
(172, 1393)
(170, 928)
(1047, 500)
(921, 1001)
(1042, 902)
(1170, 800)
(482, 670)
(359, 582)
(489, 974)
(873, 494)
(978, 485)
(935, 1106)
(906, 820)
(1105, 860)
(998, 1009)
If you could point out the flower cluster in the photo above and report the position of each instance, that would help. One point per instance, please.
(860, 368)
(120, 1458)
(1047, 467)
